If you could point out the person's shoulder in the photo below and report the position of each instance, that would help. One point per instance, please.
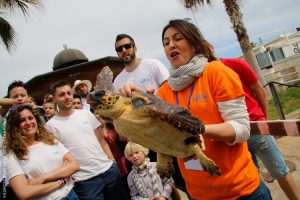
(81, 112)
(130, 174)
(119, 78)
(218, 69)
(214, 66)
(11, 156)
(152, 61)
(164, 86)
(52, 120)
(234, 61)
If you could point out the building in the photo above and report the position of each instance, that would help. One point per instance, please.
(70, 65)
(279, 58)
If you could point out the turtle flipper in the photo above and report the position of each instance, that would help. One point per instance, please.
(177, 116)
(164, 165)
(104, 80)
(207, 164)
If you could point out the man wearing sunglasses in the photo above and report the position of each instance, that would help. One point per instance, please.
(148, 74)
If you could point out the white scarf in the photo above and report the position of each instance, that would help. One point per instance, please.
(183, 76)
(153, 176)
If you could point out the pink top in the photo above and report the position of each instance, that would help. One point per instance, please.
(117, 148)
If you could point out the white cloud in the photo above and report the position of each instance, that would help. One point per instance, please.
(91, 26)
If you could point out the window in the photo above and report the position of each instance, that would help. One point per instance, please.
(264, 60)
(277, 54)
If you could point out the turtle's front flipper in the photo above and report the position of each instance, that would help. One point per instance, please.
(164, 165)
(207, 164)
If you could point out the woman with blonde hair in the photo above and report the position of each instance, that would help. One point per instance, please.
(38, 166)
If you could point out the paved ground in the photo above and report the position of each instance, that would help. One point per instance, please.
(290, 149)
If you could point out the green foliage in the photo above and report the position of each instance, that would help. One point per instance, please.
(289, 99)
(7, 32)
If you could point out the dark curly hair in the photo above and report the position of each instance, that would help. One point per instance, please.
(15, 141)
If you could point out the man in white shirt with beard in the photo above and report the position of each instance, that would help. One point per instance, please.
(148, 74)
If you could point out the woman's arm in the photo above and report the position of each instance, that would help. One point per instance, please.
(222, 132)
(235, 128)
(24, 190)
(69, 167)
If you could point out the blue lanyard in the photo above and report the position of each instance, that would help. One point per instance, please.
(190, 96)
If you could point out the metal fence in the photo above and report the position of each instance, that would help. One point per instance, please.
(275, 96)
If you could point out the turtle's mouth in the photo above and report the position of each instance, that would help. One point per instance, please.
(102, 99)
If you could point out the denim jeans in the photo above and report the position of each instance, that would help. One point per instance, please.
(107, 185)
(265, 148)
(261, 193)
(71, 196)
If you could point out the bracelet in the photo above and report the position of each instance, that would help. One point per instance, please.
(62, 182)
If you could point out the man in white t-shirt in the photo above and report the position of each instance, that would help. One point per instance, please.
(148, 74)
(79, 131)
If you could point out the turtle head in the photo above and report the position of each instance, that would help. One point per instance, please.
(104, 102)
(103, 99)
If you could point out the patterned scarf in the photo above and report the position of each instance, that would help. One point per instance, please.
(153, 176)
(183, 76)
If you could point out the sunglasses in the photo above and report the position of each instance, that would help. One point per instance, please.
(126, 46)
(20, 107)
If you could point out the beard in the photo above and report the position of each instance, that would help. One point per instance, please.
(83, 94)
(64, 107)
(130, 60)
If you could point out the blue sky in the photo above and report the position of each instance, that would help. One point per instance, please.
(91, 26)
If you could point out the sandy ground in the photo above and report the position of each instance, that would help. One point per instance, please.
(290, 149)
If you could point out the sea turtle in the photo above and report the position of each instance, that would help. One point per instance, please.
(149, 121)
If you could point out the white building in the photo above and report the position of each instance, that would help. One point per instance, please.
(279, 58)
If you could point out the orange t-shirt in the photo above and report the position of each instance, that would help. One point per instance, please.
(239, 176)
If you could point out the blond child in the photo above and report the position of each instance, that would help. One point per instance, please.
(143, 180)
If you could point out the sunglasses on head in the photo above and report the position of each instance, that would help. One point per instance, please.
(126, 46)
(20, 107)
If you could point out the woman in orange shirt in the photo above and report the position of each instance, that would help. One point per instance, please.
(213, 93)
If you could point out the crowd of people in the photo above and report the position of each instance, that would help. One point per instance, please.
(64, 149)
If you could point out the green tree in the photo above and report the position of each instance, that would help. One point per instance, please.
(233, 10)
(7, 32)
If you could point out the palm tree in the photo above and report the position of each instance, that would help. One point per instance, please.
(233, 10)
(7, 32)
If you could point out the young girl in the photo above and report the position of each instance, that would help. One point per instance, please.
(143, 180)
